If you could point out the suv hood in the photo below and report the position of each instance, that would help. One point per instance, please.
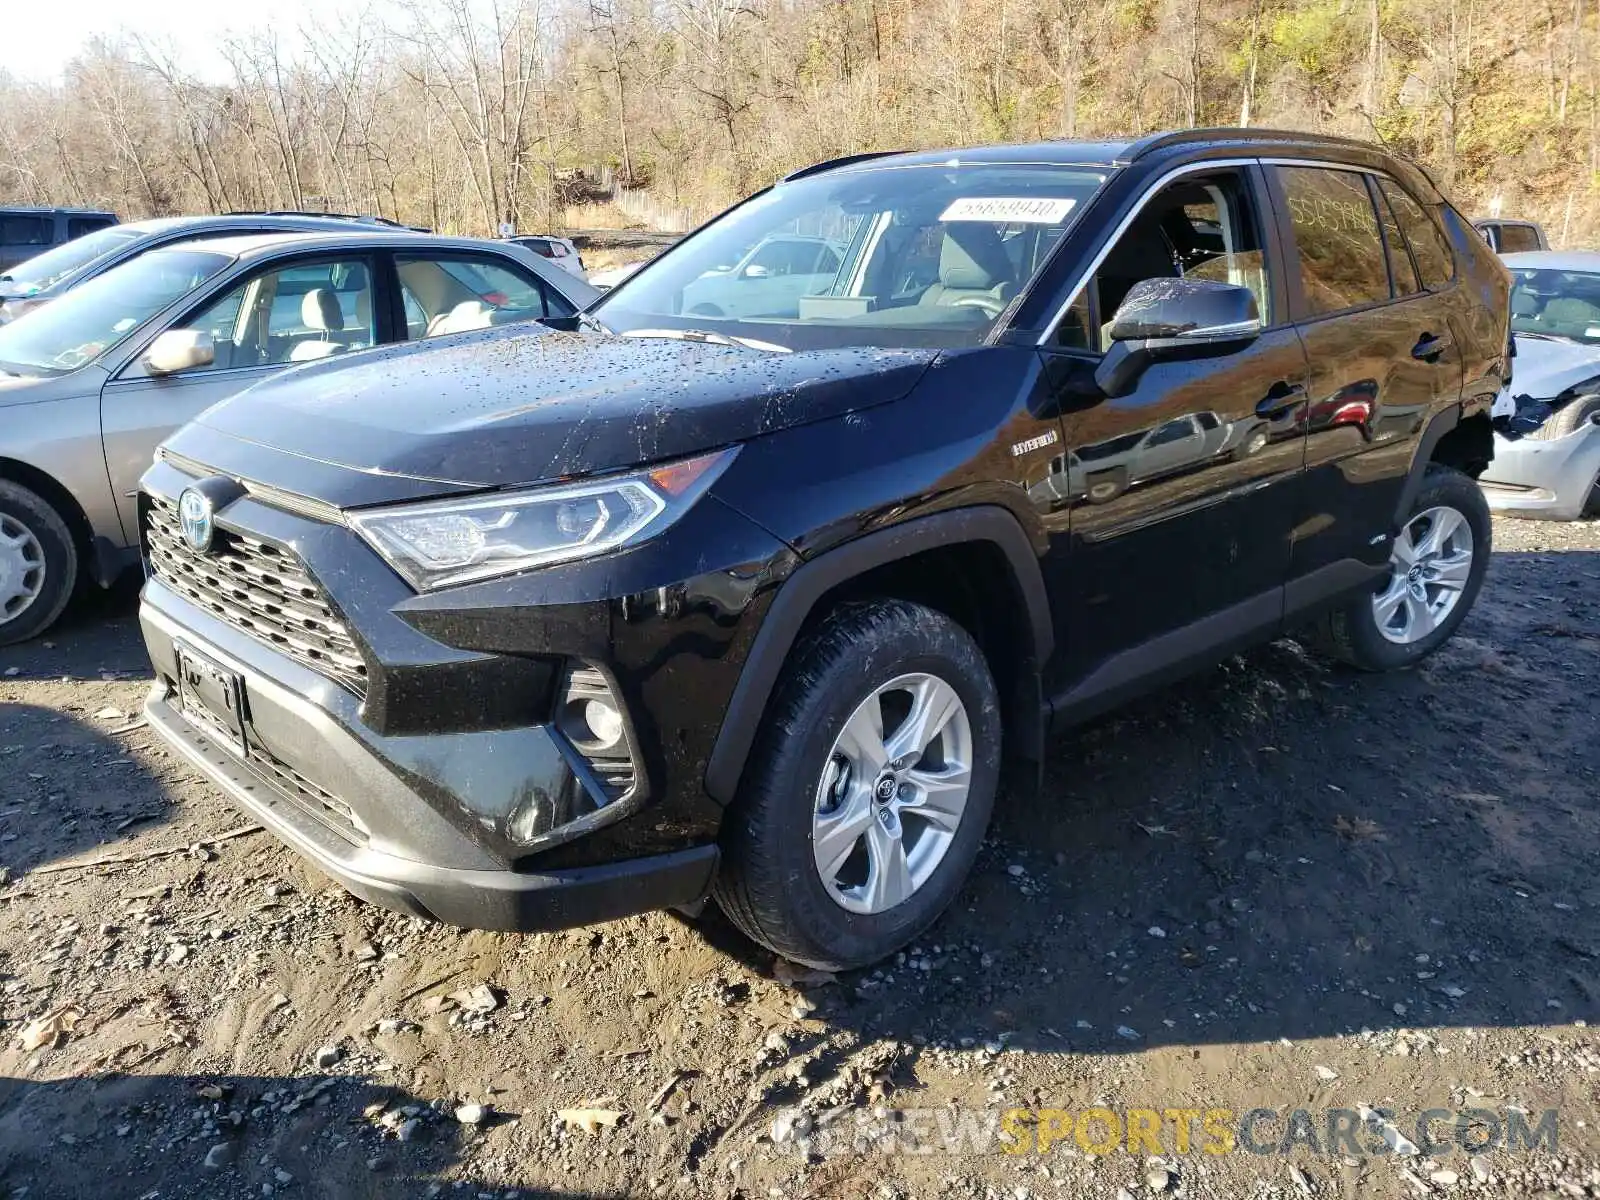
(516, 406)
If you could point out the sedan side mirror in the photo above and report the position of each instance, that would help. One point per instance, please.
(180, 350)
(756, 271)
(1173, 319)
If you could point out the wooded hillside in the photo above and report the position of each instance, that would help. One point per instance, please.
(458, 114)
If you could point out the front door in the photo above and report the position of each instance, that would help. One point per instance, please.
(1180, 509)
(280, 315)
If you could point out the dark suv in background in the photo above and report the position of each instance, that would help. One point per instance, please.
(25, 232)
(526, 629)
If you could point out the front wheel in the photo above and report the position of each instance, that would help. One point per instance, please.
(1436, 568)
(38, 564)
(868, 793)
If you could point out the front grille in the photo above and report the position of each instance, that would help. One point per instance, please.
(325, 806)
(259, 589)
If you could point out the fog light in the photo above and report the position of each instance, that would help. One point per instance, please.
(590, 717)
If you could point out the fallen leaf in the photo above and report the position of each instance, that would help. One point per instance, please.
(1359, 830)
(49, 1029)
(588, 1119)
(794, 975)
(209, 1091)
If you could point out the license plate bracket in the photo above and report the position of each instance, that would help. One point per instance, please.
(211, 697)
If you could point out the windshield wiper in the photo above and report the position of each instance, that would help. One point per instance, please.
(710, 336)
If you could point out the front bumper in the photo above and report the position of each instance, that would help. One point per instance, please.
(1530, 477)
(362, 822)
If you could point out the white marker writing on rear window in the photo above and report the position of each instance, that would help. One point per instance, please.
(1022, 210)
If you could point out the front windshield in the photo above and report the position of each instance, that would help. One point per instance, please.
(1558, 304)
(46, 270)
(89, 320)
(878, 256)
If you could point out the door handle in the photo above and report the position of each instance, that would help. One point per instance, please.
(1280, 398)
(1430, 346)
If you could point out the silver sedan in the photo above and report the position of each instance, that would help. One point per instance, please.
(92, 383)
(1547, 456)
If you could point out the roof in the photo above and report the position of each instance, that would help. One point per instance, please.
(57, 208)
(246, 244)
(1112, 152)
(1555, 260)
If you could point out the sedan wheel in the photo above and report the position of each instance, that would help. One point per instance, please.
(22, 568)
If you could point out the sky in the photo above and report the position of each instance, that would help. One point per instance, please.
(37, 43)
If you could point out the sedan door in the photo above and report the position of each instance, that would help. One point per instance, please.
(260, 323)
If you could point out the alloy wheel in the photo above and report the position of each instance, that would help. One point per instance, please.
(1430, 564)
(892, 794)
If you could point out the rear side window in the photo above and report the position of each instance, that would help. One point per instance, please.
(25, 229)
(78, 226)
(1342, 261)
(1429, 248)
(1515, 238)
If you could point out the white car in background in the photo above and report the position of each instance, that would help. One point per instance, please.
(559, 250)
(1547, 454)
(611, 276)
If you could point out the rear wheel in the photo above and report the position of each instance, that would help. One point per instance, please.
(38, 564)
(1436, 568)
(868, 793)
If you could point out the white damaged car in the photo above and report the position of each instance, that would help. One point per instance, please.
(1547, 442)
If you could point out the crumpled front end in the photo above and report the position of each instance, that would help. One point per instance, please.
(1546, 460)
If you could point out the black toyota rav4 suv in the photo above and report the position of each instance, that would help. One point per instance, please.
(749, 586)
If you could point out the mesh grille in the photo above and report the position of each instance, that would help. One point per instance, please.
(324, 805)
(259, 589)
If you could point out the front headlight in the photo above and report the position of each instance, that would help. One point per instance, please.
(447, 542)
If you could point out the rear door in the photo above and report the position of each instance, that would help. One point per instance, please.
(261, 322)
(1382, 358)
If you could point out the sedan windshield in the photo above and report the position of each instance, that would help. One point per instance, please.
(50, 268)
(89, 320)
(1559, 304)
(879, 256)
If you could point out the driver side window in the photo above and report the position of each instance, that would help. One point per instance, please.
(1198, 227)
(293, 314)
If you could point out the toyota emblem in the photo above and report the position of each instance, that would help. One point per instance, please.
(195, 519)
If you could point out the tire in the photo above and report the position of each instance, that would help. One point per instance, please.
(1106, 486)
(770, 884)
(1577, 413)
(36, 550)
(1353, 634)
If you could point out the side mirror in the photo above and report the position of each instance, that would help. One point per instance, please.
(1174, 319)
(756, 271)
(180, 350)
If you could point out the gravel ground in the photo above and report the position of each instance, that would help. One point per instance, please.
(1279, 885)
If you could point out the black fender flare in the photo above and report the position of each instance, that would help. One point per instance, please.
(798, 595)
(1441, 424)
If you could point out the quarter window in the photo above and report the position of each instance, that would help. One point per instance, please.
(1336, 230)
(1428, 245)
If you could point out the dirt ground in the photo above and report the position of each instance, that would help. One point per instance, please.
(1280, 885)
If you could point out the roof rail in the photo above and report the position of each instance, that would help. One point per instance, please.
(334, 216)
(832, 163)
(1180, 137)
